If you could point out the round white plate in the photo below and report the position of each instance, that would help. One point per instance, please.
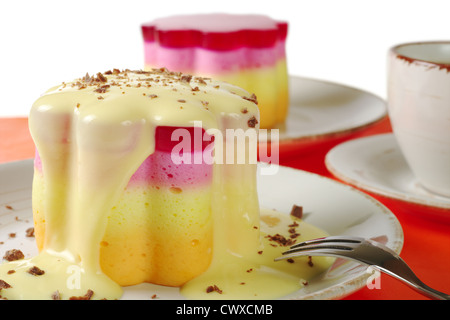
(335, 207)
(320, 110)
(376, 164)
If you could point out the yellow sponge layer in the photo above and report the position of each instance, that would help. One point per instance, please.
(270, 87)
(154, 234)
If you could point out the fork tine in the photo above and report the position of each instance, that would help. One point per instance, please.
(335, 246)
(315, 251)
(333, 240)
(316, 247)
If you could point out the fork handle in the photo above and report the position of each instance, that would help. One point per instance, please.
(432, 293)
(398, 269)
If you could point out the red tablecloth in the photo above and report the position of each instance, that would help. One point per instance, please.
(427, 241)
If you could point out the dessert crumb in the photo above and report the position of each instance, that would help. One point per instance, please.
(310, 262)
(29, 232)
(213, 288)
(87, 296)
(4, 285)
(281, 240)
(297, 211)
(56, 295)
(35, 271)
(252, 122)
(13, 255)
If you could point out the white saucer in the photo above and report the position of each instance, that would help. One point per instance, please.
(375, 164)
(332, 206)
(321, 110)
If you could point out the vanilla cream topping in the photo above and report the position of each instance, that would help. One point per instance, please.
(92, 134)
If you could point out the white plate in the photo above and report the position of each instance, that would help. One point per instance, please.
(330, 205)
(376, 164)
(322, 110)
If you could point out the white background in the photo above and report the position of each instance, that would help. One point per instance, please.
(45, 42)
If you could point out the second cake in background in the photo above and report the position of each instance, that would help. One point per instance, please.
(245, 50)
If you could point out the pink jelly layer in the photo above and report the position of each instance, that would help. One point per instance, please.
(160, 170)
(212, 62)
(215, 31)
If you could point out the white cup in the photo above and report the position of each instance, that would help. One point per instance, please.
(419, 109)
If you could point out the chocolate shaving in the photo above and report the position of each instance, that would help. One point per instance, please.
(252, 122)
(4, 285)
(213, 288)
(252, 98)
(13, 255)
(294, 235)
(86, 78)
(87, 296)
(101, 77)
(35, 271)
(186, 78)
(56, 295)
(200, 80)
(29, 232)
(297, 211)
(293, 224)
(80, 85)
(162, 70)
(102, 89)
(281, 240)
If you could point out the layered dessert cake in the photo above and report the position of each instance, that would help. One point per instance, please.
(131, 186)
(245, 50)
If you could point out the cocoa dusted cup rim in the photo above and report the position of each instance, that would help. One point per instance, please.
(411, 58)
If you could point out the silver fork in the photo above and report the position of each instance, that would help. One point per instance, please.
(365, 251)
